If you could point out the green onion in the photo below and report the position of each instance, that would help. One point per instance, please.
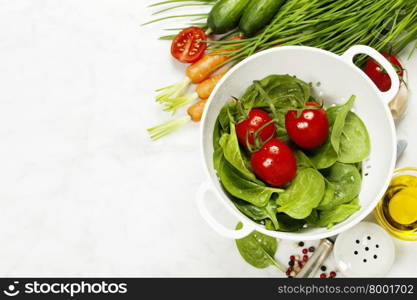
(334, 25)
(166, 128)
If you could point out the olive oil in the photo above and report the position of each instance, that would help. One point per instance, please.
(397, 211)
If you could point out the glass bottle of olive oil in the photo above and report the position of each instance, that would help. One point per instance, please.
(397, 211)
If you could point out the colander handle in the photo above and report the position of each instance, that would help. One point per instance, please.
(379, 58)
(214, 224)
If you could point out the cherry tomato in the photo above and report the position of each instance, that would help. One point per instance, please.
(187, 46)
(379, 76)
(256, 119)
(274, 163)
(308, 130)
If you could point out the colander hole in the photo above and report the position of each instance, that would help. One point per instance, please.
(366, 174)
(377, 246)
(369, 238)
(366, 248)
(357, 242)
(375, 256)
(356, 252)
(318, 84)
(364, 260)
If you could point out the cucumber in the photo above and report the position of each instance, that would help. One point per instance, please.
(225, 15)
(257, 15)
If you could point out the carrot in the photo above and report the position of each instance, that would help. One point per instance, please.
(196, 111)
(196, 73)
(206, 66)
(171, 95)
(202, 91)
(205, 88)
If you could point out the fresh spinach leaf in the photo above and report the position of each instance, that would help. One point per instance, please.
(339, 123)
(288, 224)
(303, 161)
(258, 249)
(303, 195)
(284, 90)
(355, 143)
(328, 194)
(256, 213)
(242, 188)
(313, 218)
(234, 156)
(326, 155)
(224, 117)
(329, 218)
(218, 151)
(347, 184)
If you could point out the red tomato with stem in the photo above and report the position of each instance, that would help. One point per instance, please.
(308, 129)
(257, 118)
(274, 163)
(187, 46)
(378, 74)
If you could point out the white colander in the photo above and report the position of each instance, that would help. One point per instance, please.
(335, 78)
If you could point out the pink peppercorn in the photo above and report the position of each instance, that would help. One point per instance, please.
(305, 258)
(305, 251)
(323, 275)
(332, 274)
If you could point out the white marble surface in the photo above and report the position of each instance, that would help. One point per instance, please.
(83, 190)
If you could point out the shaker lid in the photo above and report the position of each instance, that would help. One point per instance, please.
(366, 250)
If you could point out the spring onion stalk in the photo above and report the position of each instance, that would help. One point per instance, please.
(166, 94)
(334, 25)
(172, 104)
(166, 128)
(202, 2)
(172, 5)
(176, 16)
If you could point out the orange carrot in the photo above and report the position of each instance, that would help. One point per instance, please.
(196, 73)
(206, 66)
(196, 111)
(205, 88)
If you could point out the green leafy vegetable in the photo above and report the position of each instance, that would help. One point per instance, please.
(234, 156)
(303, 161)
(355, 143)
(324, 156)
(305, 193)
(329, 218)
(339, 122)
(288, 224)
(328, 194)
(258, 249)
(325, 190)
(346, 180)
(327, 154)
(285, 91)
(242, 188)
(257, 213)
